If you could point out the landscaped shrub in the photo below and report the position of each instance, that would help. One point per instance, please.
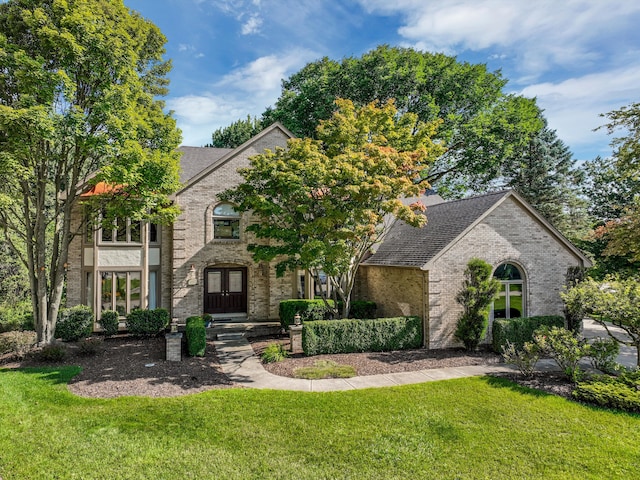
(564, 347)
(89, 346)
(16, 317)
(196, 336)
(109, 322)
(602, 353)
(274, 352)
(74, 323)
(147, 322)
(309, 309)
(518, 331)
(52, 353)
(524, 358)
(621, 392)
(346, 336)
(361, 309)
(17, 343)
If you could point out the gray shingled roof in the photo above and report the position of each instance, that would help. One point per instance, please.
(196, 159)
(408, 246)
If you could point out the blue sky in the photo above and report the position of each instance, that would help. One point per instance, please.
(579, 58)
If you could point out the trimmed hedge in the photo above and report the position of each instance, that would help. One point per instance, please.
(621, 392)
(518, 331)
(346, 336)
(109, 320)
(309, 309)
(74, 323)
(146, 323)
(196, 336)
(361, 309)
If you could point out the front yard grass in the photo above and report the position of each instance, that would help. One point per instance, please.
(471, 428)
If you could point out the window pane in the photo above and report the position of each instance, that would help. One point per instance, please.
(134, 290)
(134, 232)
(500, 306)
(88, 289)
(235, 281)
(226, 228)
(214, 282)
(153, 286)
(225, 210)
(507, 271)
(121, 293)
(121, 230)
(107, 234)
(153, 233)
(106, 291)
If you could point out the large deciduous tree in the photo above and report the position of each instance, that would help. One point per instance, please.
(78, 81)
(480, 124)
(320, 204)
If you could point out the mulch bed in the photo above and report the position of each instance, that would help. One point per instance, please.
(125, 366)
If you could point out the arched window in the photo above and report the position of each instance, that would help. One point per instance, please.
(226, 222)
(511, 303)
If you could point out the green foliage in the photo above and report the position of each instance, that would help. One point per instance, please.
(321, 203)
(90, 346)
(524, 358)
(518, 331)
(603, 353)
(479, 290)
(196, 336)
(309, 309)
(78, 96)
(109, 320)
(274, 352)
(361, 309)
(325, 369)
(480, 125)
(236, 134)
(613, 301)
(52, 353)
(146, 323)
(566, 348)
(74, 323)
(17, 343)
(622, 392)
(17, 316)
(346, 336)
(573, 308)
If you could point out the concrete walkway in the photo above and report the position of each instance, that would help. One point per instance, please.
(243, 367)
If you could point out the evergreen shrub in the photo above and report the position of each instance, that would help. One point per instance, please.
(309, 309)
(196, 336)
(74, 323)
(109, 320)
(146, 323)
(346, 336)
(518, 331)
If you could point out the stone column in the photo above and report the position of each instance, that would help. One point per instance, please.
(174, 346)
(295, 335)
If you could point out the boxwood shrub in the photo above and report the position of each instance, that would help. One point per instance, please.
(147, 323)
(309, 309)
(74, 323)
(196, 336)
(518, 331)
(346, 336)
(109, 320)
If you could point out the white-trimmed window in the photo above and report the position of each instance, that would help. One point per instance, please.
(226, 222)
(124, 231)
(511, 302)
(120, 291)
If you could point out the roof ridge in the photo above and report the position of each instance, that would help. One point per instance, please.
(474, 197)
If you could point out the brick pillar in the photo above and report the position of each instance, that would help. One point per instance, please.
(295, 334)
(174, 346)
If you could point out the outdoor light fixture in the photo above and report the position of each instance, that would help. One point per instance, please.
(296, 319)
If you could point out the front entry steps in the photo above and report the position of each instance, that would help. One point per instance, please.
(226, 330)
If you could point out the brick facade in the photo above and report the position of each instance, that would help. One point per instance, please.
(509, 233)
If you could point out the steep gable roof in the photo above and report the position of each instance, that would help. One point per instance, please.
(196, 159)
(218, 158)
(407, 246)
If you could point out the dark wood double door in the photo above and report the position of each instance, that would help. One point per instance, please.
(225, 290)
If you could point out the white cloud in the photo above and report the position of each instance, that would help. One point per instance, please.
(251, 26)
(573, 106)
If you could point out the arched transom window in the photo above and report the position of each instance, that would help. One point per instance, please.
(510, 303)
(226, 222)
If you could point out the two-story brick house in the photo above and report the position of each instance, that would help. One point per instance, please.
(200, 264)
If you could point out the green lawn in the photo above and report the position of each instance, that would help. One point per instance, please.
(471, 428)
